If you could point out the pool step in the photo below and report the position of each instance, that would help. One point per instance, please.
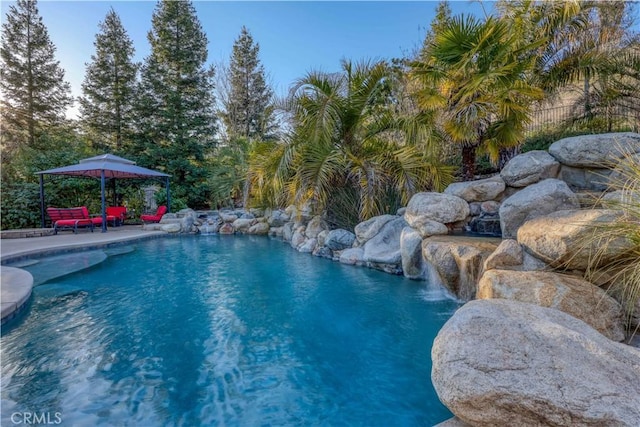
(61, 265)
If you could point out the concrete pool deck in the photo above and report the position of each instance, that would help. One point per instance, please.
(16, 284)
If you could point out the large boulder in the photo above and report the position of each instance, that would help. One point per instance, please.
(308, 246)
(480, 190)
(570, 294)
(594, 151)
(246, 215)
(322, 236)
(411, 253)
(634, 319)
(427, 227)
(529, 168)
(278, 218)
(533, 201)
(624, 169)
(456, 262)
(339, 239)
(621, 198)
(228, 217)
(241, 225)
(171, 228)
(298, 237)
(507, 363)
(489, 207)
(287, 231)
(323, 251)
(509, 255)
(439, 207)
(226, 228)
(169, 218)
(384, 247)
(316, 226)
(566, 238)
(369, 228)
(257, 212)
(579, 179)
(260, 228)
(352, 256)
(452, 422)
(188, 219)
(276, 231)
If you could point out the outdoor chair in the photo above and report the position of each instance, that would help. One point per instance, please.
(154, 218)
(72, 218)
(116, 215)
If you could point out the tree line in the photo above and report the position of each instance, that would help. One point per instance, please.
(353, 144)
(162, 112)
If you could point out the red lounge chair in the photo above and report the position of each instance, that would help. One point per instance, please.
(116, 215)
(155, 218)
(72, 218)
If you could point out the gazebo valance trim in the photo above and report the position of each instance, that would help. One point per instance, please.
(112, 168)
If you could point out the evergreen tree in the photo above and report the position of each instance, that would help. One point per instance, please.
(175, 107)
(108, 87)
(443, 16)
(247, 99)
(34, 93)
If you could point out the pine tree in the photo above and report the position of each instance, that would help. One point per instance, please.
(176, 102)
(443, 15)
(247, 101)
(34, 93)
(109, 86)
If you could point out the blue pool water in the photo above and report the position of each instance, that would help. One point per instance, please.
(225, 331)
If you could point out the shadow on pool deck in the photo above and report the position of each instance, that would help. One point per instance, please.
(16, 284)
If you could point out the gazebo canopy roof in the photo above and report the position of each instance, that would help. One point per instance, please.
(113, 167)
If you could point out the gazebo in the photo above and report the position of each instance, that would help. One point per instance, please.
(106, 166)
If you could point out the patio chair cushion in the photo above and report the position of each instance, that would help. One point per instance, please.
(72, 218)
(155, 218)
(116, 214)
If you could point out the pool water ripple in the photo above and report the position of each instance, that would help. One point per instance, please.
(228, 331)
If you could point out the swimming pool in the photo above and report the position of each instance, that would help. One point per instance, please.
(225, 330)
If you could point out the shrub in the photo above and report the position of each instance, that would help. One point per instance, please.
(20, 206)
(622, 274)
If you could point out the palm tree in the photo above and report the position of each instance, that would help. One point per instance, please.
(609, 63)
(227, 173)
(586, 42)
(347, 152)
(476, 74)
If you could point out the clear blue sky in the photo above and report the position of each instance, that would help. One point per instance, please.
(294, 36)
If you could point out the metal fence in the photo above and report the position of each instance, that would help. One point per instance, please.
(570, 118)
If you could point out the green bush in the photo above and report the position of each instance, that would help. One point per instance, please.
(20, 206)
(177, 203)
(623, 272)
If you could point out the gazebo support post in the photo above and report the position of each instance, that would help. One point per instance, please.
(104, 212)
(42, 200)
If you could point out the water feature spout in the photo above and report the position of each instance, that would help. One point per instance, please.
(207, 228)
(484, 225)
